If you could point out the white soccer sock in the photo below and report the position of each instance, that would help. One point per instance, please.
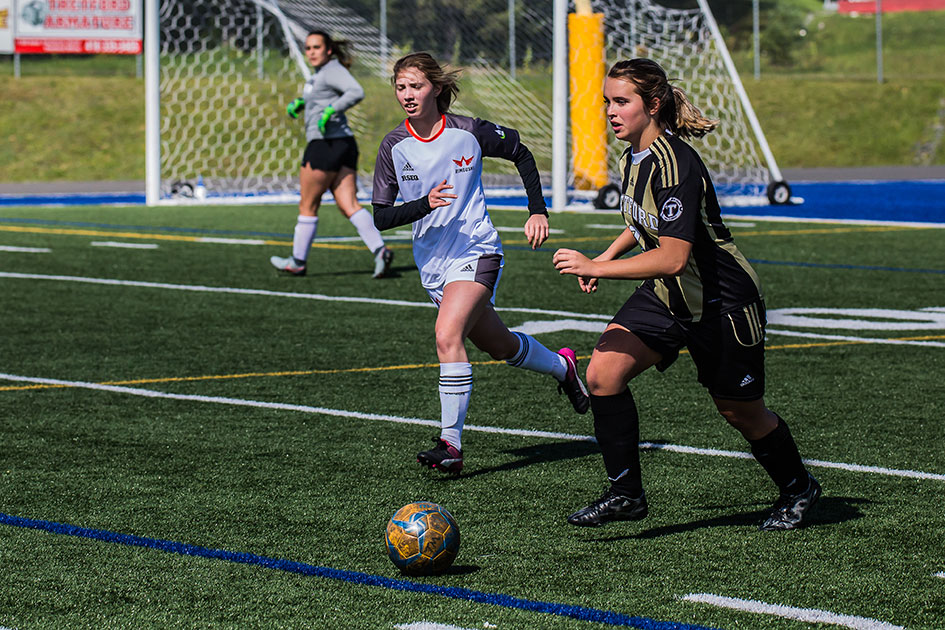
(305, 230)
(364, 222)
(533, 356)
(455, 389)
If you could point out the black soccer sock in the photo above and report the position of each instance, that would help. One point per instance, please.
(617, 428)
(778, 455)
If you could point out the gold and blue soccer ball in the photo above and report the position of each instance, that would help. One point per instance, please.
(422, 539)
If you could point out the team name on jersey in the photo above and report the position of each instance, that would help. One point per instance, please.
(464, 164)
(634, 213)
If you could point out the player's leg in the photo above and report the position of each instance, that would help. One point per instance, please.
(491, 335)
(774, 448)
(345, 190)
(729, 354)
(313, 184)
(619, 356)
(461, 304)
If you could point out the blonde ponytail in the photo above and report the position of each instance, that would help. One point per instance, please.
(690, 121)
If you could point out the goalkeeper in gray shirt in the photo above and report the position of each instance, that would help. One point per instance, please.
(330, 161)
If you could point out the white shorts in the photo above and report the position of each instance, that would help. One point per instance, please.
(486, 270)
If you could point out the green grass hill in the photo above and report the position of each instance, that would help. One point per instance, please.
(818, 101)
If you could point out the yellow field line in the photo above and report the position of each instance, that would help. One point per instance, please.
(413, 366)
(575, 239)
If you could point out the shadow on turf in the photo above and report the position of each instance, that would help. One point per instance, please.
(395, 272)
(828, 510)
(537, 454)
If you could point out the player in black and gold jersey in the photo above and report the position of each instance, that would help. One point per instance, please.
(698, 292)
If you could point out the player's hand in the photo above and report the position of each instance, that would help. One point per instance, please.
(323, 121)
(573, 262)
(536, 230)
(587, 285)
(294, 107)
(437, 198)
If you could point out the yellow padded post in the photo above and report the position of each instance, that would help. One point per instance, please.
(588, 118)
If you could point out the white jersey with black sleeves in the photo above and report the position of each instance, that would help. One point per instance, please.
(413, 166)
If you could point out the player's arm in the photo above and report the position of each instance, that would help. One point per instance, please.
(536, 227)
(667, 260)
(349, 90)
(390, 216)
(624, 242)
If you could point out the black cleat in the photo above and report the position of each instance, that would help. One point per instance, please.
(572, 385)
(443, 457)
(789, 511)
(610, 507)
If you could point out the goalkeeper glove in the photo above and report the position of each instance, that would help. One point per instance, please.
(293, 109)
(328, 113)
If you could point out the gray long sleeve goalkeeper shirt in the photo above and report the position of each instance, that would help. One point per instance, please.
(330, 84)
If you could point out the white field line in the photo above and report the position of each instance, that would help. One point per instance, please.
(428, 625)
(24, 250)
(809, 615)
(384, 302)
(893, 342)
(511, 228)
(124, 245)
(675, 448)
(607, 226)
(266, 293)
(230, 241)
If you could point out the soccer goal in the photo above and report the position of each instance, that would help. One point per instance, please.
(688, 44)
(219, 73)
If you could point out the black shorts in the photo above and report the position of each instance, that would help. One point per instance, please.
(332, 154)
(728, 349)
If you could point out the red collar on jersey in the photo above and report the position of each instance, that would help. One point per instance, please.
(435, 136)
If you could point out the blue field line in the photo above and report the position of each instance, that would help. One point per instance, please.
(366, 579)
(788, 263)
(73, 199)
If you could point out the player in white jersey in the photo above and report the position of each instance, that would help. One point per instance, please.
(433, 160)
(330, 161)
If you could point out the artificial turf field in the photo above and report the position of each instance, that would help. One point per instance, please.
(190, 439)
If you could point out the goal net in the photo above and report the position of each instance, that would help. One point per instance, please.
(229, 67)
(683, 43)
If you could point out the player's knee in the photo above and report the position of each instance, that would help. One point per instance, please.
(448, 341)
(603, 382)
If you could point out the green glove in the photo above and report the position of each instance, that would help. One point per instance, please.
(328, 113)
(293, 109)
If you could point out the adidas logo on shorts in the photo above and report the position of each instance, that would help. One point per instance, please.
(747, 380)
(468, 268)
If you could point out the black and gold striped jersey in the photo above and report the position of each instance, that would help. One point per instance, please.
(667, 191)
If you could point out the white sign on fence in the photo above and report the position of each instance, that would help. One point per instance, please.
(78, 26)
(6, 27)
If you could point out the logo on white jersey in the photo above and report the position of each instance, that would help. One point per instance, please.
(672, 209)
(407, 174)
(464, 163)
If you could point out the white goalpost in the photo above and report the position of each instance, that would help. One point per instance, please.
(219, 73)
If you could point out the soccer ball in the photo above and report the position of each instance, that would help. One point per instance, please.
(422, 539)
